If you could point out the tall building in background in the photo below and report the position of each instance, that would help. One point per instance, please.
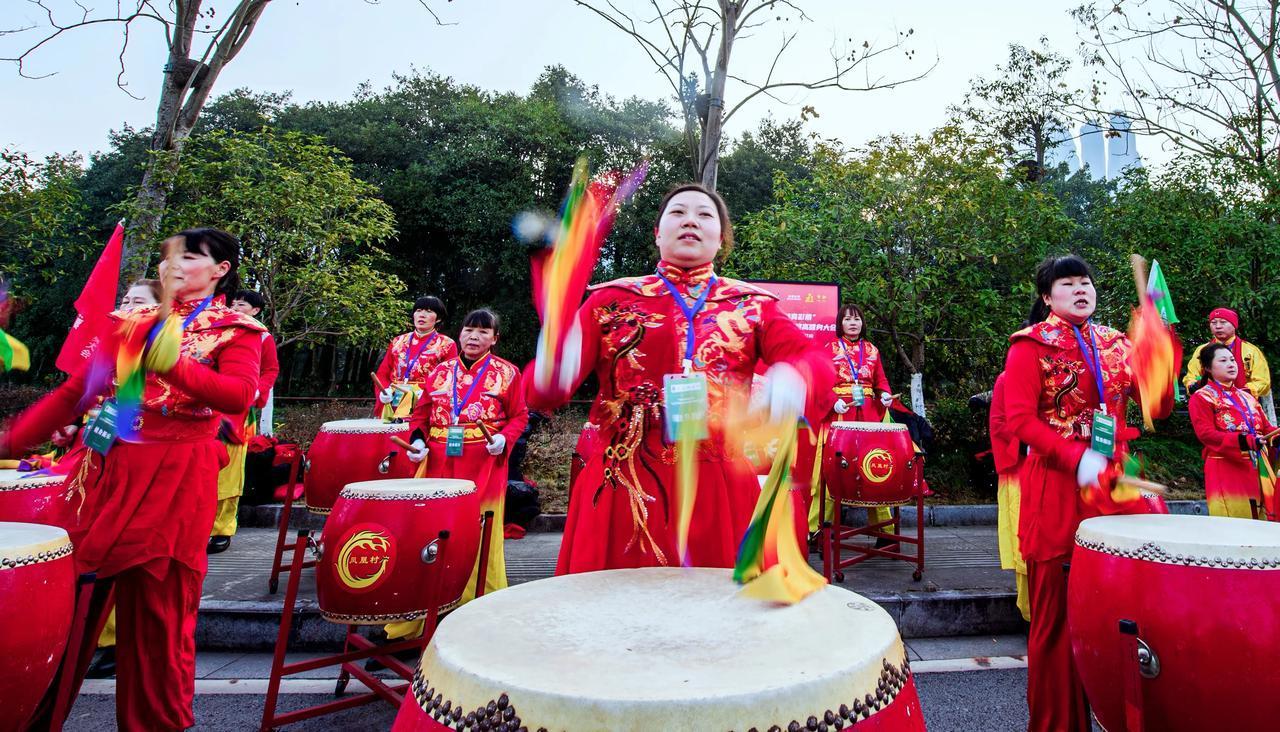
(1063, 150)
(1122, 147)
(1093, 150)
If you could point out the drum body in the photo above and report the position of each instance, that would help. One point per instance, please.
(37, 595)
(372, 569)
(649, 649)
(350, 451)
(1203, 592)
(37, 499)
(870, 464)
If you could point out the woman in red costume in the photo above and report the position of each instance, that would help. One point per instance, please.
(411, 356)
(149, 501)
(1064, 378)
(862, 391)
(478, 387)
(683, 323)
(1231, 425)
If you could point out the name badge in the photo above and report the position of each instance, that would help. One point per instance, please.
(857, 397)
(101, 432)
(1103, 434)
(453, 441)
(684, 401)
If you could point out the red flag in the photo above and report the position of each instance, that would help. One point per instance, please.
(96, 301)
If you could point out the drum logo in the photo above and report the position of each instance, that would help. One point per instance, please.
(365, 557)
(877, 465)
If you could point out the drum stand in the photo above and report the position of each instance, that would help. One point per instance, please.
(93, 603)
(836, 537)
(357, 647)
(295, 468)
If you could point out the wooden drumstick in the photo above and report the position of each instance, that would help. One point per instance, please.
(484, 430)
(398, 440)
(1271, 434)
(377, 382)
(1150, 486)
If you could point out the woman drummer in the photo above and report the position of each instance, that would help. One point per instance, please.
(411, 356)
(1232, 427)
(472, 412)
(862, 392)
(1065, 380)
(686, 326)
(149, 499)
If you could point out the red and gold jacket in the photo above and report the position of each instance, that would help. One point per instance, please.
(402, 348)
(1219, 423)
(217, 373)
(634, 333)
(1050, 394)
(862, 356)
(498, 401)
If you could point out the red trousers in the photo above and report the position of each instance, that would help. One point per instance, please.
(1055, 696)
(156, 606)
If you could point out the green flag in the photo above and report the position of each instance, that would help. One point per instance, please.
(1158, 290)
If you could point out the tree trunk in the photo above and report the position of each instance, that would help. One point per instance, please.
(709, 167)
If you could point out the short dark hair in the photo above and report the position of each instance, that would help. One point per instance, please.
(483, 318)
(1050, 271)
(726, 226)
(1206, 363)
(845, 311)
(432, 303)
(157, 289)
(219, 246)
(253, 298)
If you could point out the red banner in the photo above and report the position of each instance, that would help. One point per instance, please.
(812, 306)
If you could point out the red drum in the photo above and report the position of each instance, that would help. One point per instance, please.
(870, 464)
(37, 595)
(350, 451)
(38, 499)
(645, 649)
(1202, 592)
(381, 537)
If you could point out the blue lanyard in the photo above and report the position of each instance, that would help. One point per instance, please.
(407, 362)
(1094, 363)
(155, 329)
(690, 312)
(1247, 416)
(459, 405)
(862, 357)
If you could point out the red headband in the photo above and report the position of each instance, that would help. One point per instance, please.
(1226, 314)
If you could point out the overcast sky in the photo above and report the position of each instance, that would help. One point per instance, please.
(322, 49)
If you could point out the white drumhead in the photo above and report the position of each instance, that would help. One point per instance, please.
(408, 489)
(22, 480)
(364, 427)
(661, 649)
(869, 426)
(1195, 540)
(23, 544)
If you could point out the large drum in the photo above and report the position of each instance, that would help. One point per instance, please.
(350, 451)
(661, 648)
(377, 562)
(1204, 594)
(37, 595)
(870, 464)
(39, 499)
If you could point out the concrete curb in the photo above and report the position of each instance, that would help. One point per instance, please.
(971, 515)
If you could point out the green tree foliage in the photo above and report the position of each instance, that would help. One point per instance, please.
(927, 234)
(310, 231)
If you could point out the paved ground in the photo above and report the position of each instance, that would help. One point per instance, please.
(230, 690)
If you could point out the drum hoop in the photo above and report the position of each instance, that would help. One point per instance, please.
(386, 428)
(379, 618)
(868, 426)
(893, 679)
(15, 560)
(875, 504)
(367, 495)
(26, 484)
(1153, 552)
(319, 510)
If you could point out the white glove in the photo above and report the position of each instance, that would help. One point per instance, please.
(786, 393)
(841, 406)
(1091, 465)
(496, 447)
(386, 395)
(886, 399)
(418, 453)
